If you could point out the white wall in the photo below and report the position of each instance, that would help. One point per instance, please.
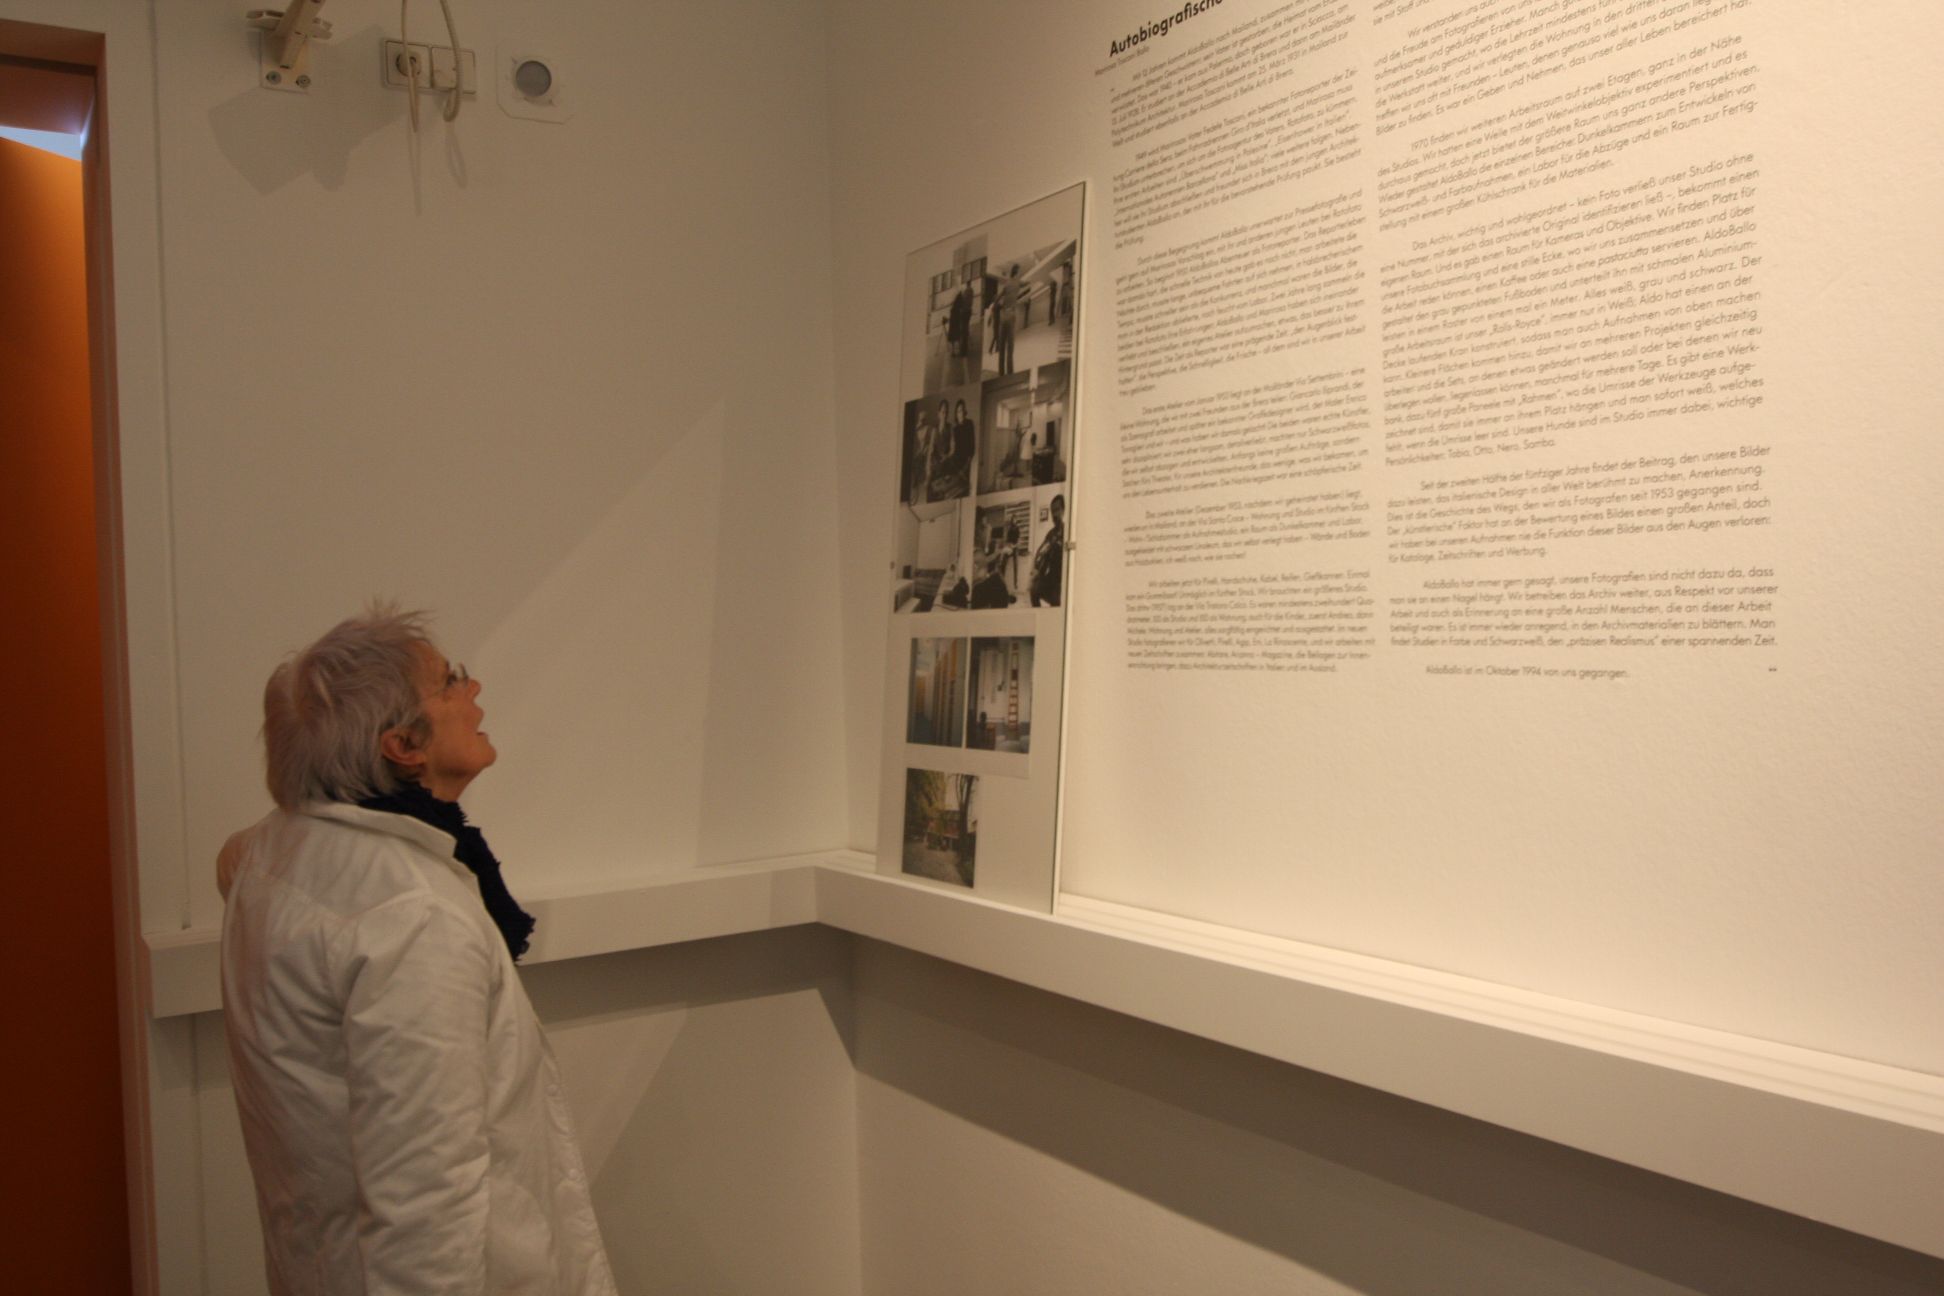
(566, 384)
(997, 1153)
(1763, 868)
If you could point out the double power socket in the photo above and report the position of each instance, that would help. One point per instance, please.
(430, 65)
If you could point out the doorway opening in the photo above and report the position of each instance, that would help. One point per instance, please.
(80, 1079)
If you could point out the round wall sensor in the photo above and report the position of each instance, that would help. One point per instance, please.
(531, 85)
(533, 78)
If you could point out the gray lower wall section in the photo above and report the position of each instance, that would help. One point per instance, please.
(1014, 1141)
(800, 1112)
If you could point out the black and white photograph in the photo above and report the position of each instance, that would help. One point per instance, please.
(1001, 718)
(1046, 432)
(940, 446)
(1001, 540)
(914, 459)
(941, 825)
(1006, 421)
(955, 319)
(1029, 308)
(1048, 568)
(928, 570)
(935, 707)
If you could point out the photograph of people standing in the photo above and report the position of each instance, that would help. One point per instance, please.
(1005, 319)
(961, 354)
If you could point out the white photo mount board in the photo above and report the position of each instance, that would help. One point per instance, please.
(976, 641)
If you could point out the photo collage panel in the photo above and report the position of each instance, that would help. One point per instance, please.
(984, 451)
(984, 466)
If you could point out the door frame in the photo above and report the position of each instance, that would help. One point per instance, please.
(84, 52)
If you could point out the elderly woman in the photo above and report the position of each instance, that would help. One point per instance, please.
(401, 1110)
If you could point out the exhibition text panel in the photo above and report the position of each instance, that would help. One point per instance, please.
(1507, 515)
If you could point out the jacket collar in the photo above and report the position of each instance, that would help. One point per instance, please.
(416, 831)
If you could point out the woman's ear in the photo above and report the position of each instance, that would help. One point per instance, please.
(399, 747)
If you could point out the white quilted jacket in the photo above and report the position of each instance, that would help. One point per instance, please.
(401, 1109)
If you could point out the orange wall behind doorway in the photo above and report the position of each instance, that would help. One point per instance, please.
(65, 1193)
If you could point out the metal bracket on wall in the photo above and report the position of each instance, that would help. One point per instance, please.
(283, 52)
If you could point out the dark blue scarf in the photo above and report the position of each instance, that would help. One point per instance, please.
(515, 924)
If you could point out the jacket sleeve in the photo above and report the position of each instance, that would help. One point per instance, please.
(415, 1027)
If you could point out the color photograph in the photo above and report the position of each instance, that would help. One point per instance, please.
(935, 706)
(1002, 694)
(941, 826)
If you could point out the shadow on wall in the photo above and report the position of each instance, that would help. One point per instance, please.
(716, 1101)
(1384, 1196)
(610, 645)
(272, 138)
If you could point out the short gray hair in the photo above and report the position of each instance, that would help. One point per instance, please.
(327, 706)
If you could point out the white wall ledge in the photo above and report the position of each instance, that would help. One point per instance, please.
(182, 976)
(1852, 1144)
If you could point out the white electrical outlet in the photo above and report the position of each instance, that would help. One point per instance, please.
(442, 70)
(429, 65)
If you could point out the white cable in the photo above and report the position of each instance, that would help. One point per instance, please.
(411, 70)
(458, 65)
(411, 63)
